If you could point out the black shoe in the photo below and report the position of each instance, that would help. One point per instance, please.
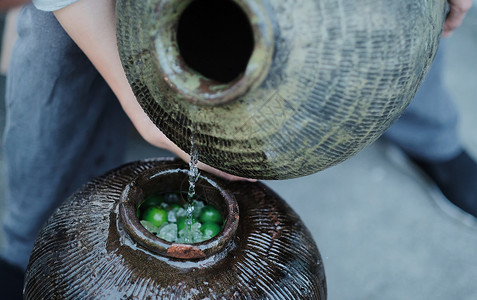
(452, 184)
(11, 281)
(456, 179)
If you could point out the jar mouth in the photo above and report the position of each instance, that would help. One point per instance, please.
(176, 180)
(179, 71)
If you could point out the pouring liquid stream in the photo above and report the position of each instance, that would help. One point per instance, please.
(193, 176)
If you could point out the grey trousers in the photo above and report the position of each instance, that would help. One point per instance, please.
(428, 129)
(64, 126)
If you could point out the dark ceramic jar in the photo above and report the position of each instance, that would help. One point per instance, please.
(93, 246)
(276, 89)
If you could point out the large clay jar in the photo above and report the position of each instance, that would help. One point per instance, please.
(93, 246)
(276, 89)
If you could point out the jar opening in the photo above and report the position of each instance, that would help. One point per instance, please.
(215, 38)
(176, 181)
(211, 52)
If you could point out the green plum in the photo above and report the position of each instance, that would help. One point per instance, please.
(210, 229)
(210, 214)
(155, 215)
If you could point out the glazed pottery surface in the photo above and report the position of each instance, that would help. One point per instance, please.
(94, 248)
(315, 82)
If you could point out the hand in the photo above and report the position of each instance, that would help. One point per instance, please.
(458, 9)
(91, 24)
(155, 137)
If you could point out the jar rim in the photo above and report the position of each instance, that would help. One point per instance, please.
(189, 85)
(134, 193)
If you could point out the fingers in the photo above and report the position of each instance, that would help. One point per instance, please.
(155, 137)
(458, 9)
(186, 157)
(223, 174)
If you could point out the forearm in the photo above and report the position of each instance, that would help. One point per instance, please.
(91, 24)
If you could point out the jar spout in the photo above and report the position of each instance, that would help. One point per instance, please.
(212, 52)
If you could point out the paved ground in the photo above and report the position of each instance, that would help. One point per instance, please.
(379, 232)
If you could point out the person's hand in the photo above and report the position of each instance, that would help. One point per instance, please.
(155, 137)
(91, 24)
(458, 9)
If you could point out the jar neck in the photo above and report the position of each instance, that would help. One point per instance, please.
(211, 52)
(174, 180)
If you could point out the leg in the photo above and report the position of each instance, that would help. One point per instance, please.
(64, 127)
(428, 128)
(427, 132)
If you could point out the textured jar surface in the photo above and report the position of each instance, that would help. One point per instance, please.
(82, 252)
(340, 72)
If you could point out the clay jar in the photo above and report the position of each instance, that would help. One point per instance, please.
(93, 246)
(276, 89)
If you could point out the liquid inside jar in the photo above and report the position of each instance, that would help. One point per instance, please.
(165, 215)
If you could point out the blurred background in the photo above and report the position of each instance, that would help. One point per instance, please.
(380, 234)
